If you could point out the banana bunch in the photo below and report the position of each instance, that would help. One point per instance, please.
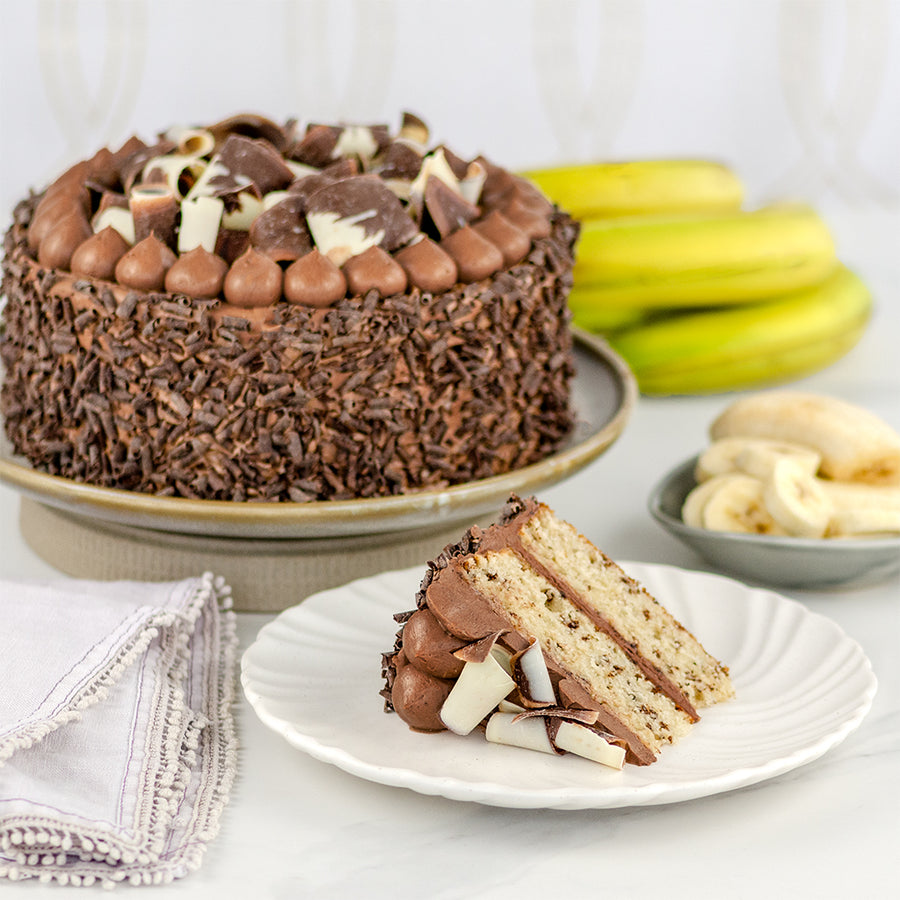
(797, 465)
(696, 293)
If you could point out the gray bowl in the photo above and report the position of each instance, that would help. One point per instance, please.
(815, 564)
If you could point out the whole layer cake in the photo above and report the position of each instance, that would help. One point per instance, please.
(254, 311)
(528, 630)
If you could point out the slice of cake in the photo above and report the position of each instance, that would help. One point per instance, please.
(529, 630)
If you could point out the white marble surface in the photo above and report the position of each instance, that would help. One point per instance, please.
(299, 828)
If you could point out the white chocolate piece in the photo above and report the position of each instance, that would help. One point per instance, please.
(581, 741)
(242, 218)
(200, 220)
(478, 690)
(338, 238)
(399, 187)
(117, 217)
(530, 734)
(507, 706)
(201, 186)
(355, 140)
(537, 678)
(273, 198)
(434, 164)
(300, 170)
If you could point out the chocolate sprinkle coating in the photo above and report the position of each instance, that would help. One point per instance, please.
(374, 396)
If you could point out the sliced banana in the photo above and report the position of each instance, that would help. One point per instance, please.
(719, 458)
(758, 457)
(855, 444)
(869, 522)
(796, 499)
(695, 501)
(753, 456)
(737, 505)
(852, 495)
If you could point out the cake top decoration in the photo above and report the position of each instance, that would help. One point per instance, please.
(386, 211)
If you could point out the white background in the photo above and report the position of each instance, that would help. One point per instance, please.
(801, 97)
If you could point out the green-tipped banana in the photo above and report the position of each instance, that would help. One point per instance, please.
(736, 348)
(700, 260)
(640, 187)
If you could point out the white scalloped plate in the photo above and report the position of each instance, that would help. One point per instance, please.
(802, 685)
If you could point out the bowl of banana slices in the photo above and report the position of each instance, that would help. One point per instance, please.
(793, 490)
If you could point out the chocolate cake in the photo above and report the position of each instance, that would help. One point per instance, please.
(255, 311)
(527, 629)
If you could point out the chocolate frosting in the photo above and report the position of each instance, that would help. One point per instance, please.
(63, 238)
(145, 265)
(427, 266)
(253, 280)
(475, 256)
(197, 273)
(97, 256)
(375, 270)
(314, 280)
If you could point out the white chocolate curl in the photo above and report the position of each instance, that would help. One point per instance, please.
(537, 678)
(529, 734)
(191, 141)
(581, 741)
(470, 187)
(478, 690)
(200, 220)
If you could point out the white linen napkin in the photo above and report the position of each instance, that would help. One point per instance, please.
(117, 741)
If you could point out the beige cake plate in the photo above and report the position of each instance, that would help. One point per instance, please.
(275, 554)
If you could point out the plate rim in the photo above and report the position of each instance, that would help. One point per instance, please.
(566, 798)
(328, 517)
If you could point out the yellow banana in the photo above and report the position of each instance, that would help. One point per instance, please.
(640, 187)
(734, 348)
(700, 260)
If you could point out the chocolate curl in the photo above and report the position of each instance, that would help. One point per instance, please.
(253, 126)
(414, 130)
(131, 169)
(478, 651)
(154, 210)
(583, 716)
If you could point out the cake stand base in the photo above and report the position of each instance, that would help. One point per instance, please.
(265, 575)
